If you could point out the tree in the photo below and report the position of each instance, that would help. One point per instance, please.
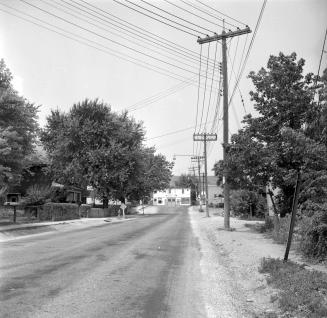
(273, 146)
(92, 145)
(18, 130)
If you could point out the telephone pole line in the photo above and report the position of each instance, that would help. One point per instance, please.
(223, 36)
(205, 137)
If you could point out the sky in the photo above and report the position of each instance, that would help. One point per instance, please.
(63, 51)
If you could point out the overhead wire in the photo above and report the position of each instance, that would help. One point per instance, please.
(192, 13)
(205, 85)
(127, 28)
(106, 38)
(162, 10)
(213, 75)
(156, 19)
(206, 4)
(198, 97)
(206, 12)
(134, 27)
(248, 50)
(101, 47)
(119, 35)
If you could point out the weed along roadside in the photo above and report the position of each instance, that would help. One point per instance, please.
(301, 292)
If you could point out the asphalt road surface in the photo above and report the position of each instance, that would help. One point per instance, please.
(147, 267)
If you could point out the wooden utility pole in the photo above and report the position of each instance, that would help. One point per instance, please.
(197, 159)
(223, 36)
(205, 137)
(293, 216)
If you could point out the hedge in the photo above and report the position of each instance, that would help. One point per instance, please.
(59, 211)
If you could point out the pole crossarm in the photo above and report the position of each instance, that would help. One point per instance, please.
(204, 137)
(224, 35)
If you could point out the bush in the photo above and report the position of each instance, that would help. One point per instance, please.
(37, 195)
(313, 230)
(302, 292)
(244, 203)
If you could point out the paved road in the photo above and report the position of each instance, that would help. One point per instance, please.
(147, 267)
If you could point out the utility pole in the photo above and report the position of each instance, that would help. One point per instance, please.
(223, 36)
(197, 159)
(205, 137)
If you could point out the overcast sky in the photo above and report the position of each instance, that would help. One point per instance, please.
(154, 75)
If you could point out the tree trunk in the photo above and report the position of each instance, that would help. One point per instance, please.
(276, 217)
(105, 202)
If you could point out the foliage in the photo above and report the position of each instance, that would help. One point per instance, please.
(312, 228)
(186, 181)
(59, 211)
(92, 145)
(273, 146)
(37, 195)
(247, 203)
(301, 292)
(18, 130)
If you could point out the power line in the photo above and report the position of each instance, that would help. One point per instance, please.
(135, 30)
(214, 67)
(149, 16)
(190, 12)
(106, 38)
(152, 5)
(120, 36)
(249, 50)
(204, 4)
(322, 53)
(106, 49)
(135, 27)
(205, 85)
(199, 83)
(206, 12)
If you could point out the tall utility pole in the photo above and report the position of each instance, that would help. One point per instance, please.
(205, 137)
(197, 159)
(223, 36)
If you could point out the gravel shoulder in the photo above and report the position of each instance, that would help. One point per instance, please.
(232, 285)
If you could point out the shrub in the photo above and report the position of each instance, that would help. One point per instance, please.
(302, 292)
(313, 230)
(244, 202)
(37, 195)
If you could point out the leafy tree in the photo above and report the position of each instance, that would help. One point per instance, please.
(18, 130)
(91, 145)
(282, 139)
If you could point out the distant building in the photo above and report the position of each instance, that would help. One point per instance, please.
(172, 197)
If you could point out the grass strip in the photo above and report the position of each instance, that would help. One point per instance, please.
(302, 292)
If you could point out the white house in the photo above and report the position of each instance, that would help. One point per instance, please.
(172, 197)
